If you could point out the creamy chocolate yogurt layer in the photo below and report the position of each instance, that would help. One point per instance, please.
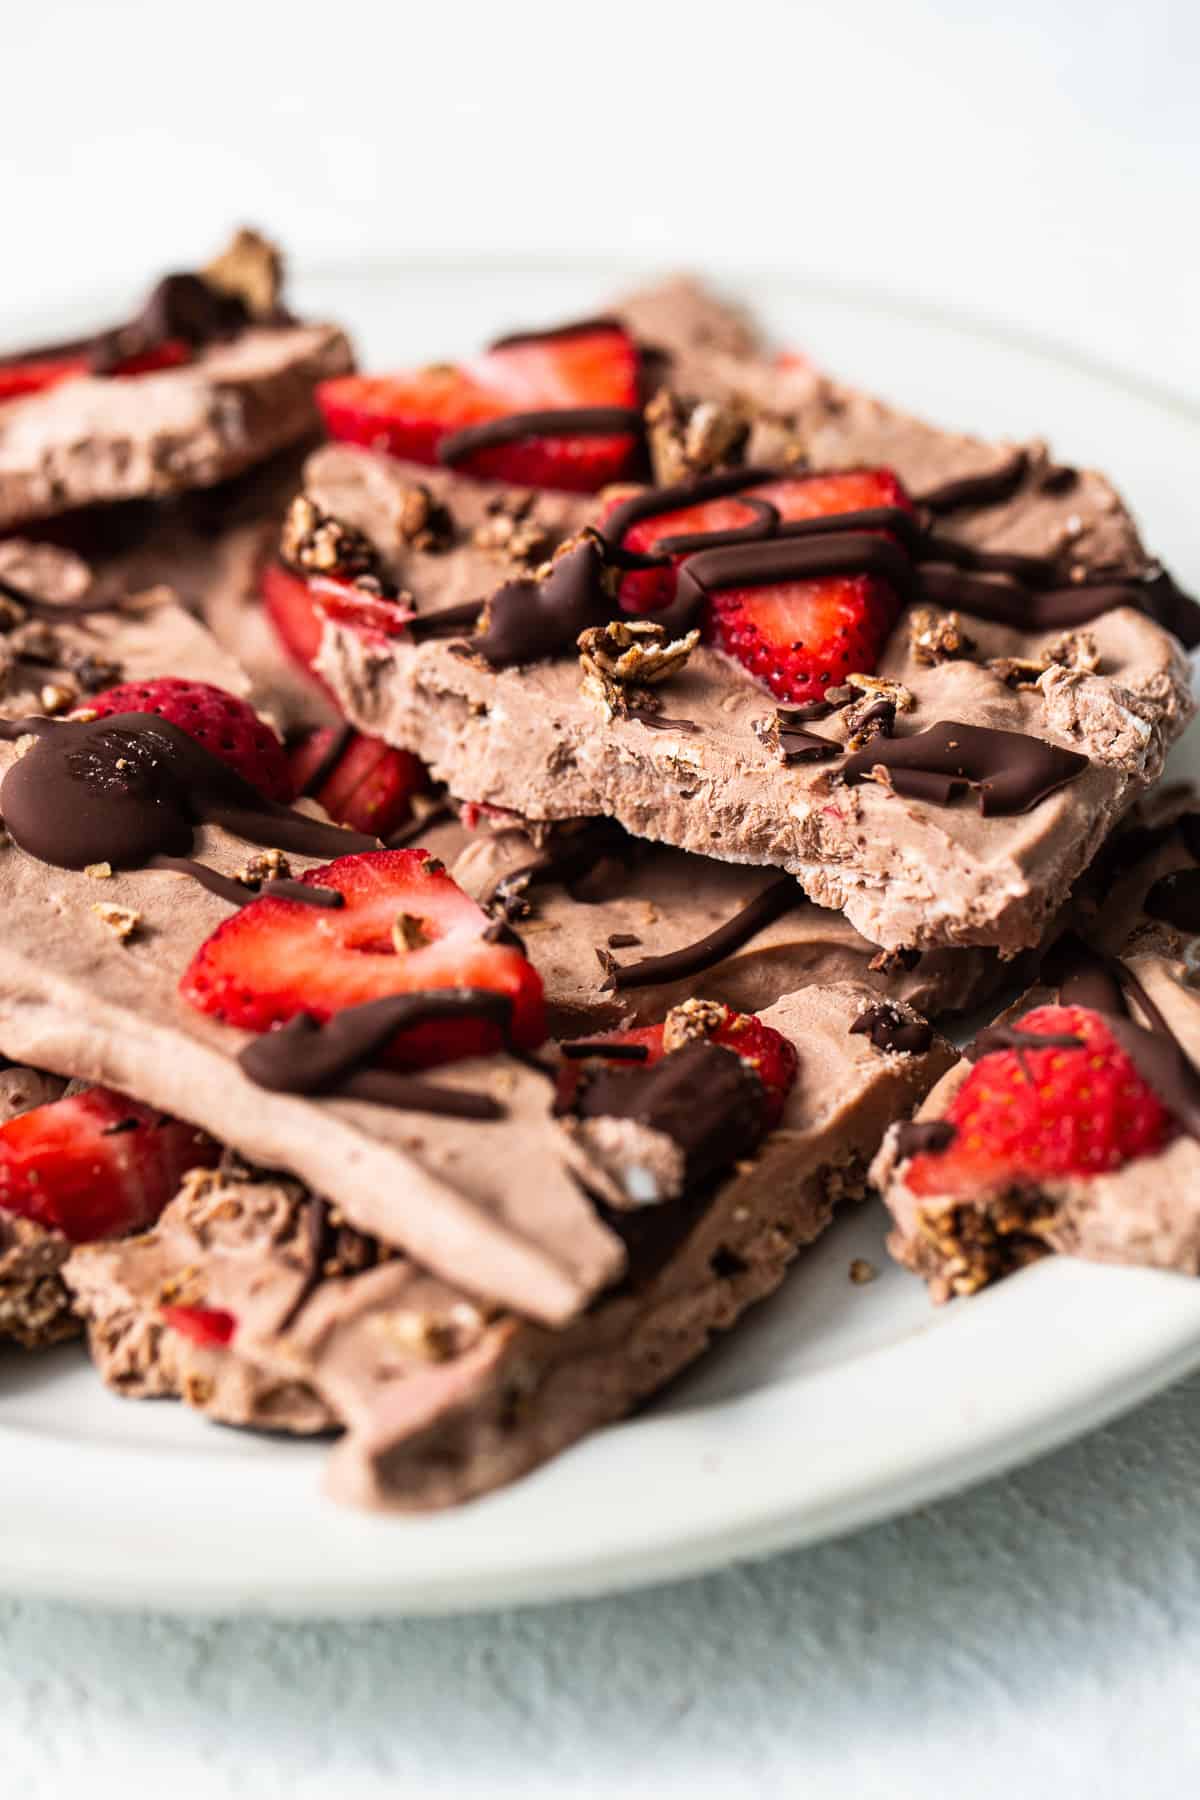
(443, 1397)
(908, 873)
(1138, 968)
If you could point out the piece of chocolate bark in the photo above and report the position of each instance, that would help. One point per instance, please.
(444, 1395)
(35, 1307)
(1071, 1126)
(958, 814)
(210, 378)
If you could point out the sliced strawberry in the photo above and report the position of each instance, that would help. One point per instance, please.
(291, 606)
(96, 1164)
(371, 785)
(277, 958)
(227, 727)
(801, 637)
(1027, 1114)
(38, 373)
(409, 415)
(209, 1326)
(772, 1056)
(794, 497)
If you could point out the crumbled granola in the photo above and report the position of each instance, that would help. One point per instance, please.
(692, 437)
(434, 1336)
(251, 268)
(936, 637)
(122, 921)
(894, 962)
(512, 528)
(862, 1271)
(409, 932)
(873, 712)
(963, 1248)
(692, 1019)
(1075, 650)
(91, 672)
(12, 613)
(57, 697)
(624, 661)
(99, 871)
(316, 543)
(422, 522)
(1018, 671)
(264, 865)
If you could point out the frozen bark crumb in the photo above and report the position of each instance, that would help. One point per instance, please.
(122, 921)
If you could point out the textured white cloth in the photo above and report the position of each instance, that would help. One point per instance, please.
(1037, 1638)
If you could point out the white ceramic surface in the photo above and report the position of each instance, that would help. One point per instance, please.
(833, 1404)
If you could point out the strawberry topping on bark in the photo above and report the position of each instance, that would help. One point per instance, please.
(1027, 1114)
(298, 607)
(799, 637)
(412, 415)
(369, 785)
(228, 728)
(404, 927)
(34, 374)
(771, 1055)
(96, 1164)
(209, 1326)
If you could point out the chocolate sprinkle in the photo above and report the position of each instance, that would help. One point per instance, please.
(891, 1030)
(1013, 771)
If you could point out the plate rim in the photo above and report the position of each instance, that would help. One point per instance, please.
(1168, 1306)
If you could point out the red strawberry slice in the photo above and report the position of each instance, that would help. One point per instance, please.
(227, 727)
(298, 608)
(371, 785)
(801, 637)
(794, 496)
(38, 373)
(209, 1326)
(409, 415)
(1029, 1115)
(96, 1165)
(277, 958)
(772, 1056)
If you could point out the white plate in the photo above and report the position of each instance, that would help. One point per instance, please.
(832, 1405)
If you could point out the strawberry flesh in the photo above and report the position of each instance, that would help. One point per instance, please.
(410, 415)
(370, 787)
(772, 1057)
(35, 374)
(1030, 1115)
(209, 1326)
(278, 958)
(96, 1164)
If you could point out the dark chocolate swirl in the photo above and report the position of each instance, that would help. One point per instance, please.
(1011, 770)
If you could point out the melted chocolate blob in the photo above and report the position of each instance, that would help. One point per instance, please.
(309, 1058)
(1011, 770)
(784, 735)
(919, 1136)
(892, 1031)
(702, 1096)
(128, 787)
(179, 306)
(783, 896)
(526, 620)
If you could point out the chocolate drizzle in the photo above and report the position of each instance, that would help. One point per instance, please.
(612, 1049)
(1011, 770)
(241, 894)
(978, 490)
(781, 897)
(893, 1031)
(127, 787)
(308, 1058)
(545, 422)
(526, 620)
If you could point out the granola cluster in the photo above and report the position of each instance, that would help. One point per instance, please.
(315, 543)
(692, 437)
(624, 661)
(963, 1248)
(512, 528)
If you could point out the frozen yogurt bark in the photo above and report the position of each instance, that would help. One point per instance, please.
(443, 1395)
